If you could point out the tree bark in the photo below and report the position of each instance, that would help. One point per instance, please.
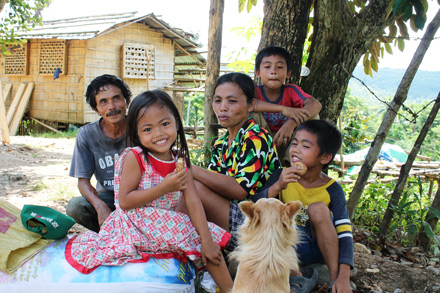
(213, 67)
(291, 16)
(423, 238)
(404, 170)
(398, 100)
(339, 41)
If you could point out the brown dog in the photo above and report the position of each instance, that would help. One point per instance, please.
(266, 251)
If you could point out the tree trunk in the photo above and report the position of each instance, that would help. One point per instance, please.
(404, 170)
(340, 39)
(213, 67)
(286, 16)
(398, 100)
(423, 239)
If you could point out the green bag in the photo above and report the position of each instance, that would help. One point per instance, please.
(47, 222)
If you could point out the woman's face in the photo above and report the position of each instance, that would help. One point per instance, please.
(230, 106)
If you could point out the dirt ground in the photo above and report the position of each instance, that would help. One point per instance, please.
(35, 171)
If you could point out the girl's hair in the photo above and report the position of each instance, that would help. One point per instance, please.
(244, 82)
(137, 110)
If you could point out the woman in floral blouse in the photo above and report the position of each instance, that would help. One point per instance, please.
(242, 159)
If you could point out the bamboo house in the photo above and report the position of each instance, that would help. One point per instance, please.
(61, 57)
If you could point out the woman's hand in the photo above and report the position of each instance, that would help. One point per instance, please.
(211, 252)
(175, 181)
(284, 134)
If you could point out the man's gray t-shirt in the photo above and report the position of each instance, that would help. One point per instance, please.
(95, 153)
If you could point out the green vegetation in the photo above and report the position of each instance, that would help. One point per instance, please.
(361, 119)
(19, 14)
(28, 127)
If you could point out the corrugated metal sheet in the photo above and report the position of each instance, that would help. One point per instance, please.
(91, 26)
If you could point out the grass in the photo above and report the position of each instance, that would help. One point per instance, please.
(60, 135)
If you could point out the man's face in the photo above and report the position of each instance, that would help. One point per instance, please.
(111, 104)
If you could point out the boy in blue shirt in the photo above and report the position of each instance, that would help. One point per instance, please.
(283, 106)
(324, 220)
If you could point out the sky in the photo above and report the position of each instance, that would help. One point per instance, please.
(193, 16)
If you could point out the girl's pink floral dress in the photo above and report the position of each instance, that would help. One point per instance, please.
(155, 230)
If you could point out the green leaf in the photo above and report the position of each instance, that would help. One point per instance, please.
(399, 6)
(401, 44)
(418, 6)
(374, 64)
(408, 12)
(420, 22)
(435, 212)
(388, 48)
(241, 4)
(428, 230)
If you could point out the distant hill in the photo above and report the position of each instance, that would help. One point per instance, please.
(425, 86)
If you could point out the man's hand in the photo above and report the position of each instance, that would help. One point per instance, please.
(103, 212)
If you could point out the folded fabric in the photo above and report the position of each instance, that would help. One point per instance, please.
(49, 223)
(17, 244)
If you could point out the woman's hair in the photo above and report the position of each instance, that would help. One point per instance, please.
(137, 110)
(101, 82)
(244, 82)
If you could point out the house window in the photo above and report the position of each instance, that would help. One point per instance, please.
(52, 56)
(138, 61)
(16, 63)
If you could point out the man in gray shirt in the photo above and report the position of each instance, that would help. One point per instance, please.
(97, 148)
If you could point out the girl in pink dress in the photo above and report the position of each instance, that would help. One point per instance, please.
(148, 189)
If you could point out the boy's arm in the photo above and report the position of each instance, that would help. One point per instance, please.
(338, 207)
(313, 107)
(297, 114)
(278, 181)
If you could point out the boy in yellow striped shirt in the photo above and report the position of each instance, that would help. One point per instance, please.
(325, 223)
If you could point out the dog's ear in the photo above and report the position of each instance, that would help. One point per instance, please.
(251, 211)
(247, 207)
(289, 210)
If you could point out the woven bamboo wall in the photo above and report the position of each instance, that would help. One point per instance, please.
(104, 56)
(61, 99)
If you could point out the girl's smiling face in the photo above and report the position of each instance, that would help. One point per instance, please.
(230, 106)
(157, 131)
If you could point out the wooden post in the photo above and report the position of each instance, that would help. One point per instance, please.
(148, 68)
(213, 65)
(15, 103)
(340, 151)
(18, 115)
(178, 99)
(6, 91)
(3, 123)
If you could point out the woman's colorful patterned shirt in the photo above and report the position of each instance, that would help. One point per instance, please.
(251, 159)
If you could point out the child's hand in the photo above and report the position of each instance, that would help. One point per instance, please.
(288, 175)
(297, 114)
(284, 134)
(175, 181)
(211, 252)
